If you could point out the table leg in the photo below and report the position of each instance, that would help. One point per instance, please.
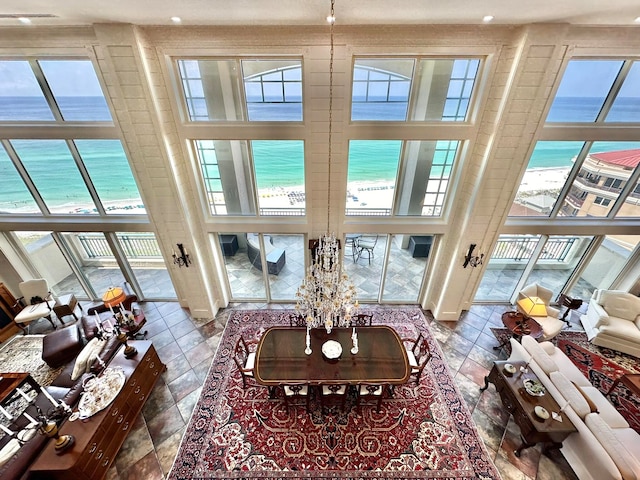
(615, 384)
(486, 383)
(524, 445)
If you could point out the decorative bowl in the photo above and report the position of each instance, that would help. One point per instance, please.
(534, 387)
(331, 349)
(509, 368)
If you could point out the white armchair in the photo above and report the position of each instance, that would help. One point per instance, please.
(533, 301)
(38, 300)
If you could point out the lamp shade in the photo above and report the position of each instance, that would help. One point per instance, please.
(114, 296)
(533, 306)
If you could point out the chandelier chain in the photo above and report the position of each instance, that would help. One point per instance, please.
(331, 23)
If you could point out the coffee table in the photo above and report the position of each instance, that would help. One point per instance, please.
(630, 380)
(521, 405)
(519, 324)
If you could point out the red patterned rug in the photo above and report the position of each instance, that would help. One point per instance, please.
(424, 431)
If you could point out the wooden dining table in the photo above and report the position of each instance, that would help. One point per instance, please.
(281, 358)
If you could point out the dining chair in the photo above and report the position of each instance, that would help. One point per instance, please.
(295, 394)
(418, 354)
(333, 394)
(297, 320)
(38, 302)
(245, 360)
(373, 393)
(361, 320)
(366, 244)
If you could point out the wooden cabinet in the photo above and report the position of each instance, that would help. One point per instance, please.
(99, 438)
(8, 311)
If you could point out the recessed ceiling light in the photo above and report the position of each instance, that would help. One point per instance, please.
(331, 19)
(487, 18)
(24, 20)
(176, 19)
(637, 20)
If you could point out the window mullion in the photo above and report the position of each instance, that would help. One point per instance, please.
(613, 93)
(85, 176)
(632, 181)
(22, 171)
(48, 94)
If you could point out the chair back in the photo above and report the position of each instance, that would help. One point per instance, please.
(361, 320)
(368, 241)
(297, 320)
(34, 291)
(241, 354)
(421, 352)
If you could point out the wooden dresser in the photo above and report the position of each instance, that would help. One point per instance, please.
(99, 438)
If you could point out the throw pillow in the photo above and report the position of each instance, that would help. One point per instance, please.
(592, 406)
(541, 357)
(621, 304)
(614, 447)
(9, 450)
(570, 394)
(80, 367)
(548, 347)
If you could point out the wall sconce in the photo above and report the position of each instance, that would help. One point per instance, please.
(183, 258)
(474, 261)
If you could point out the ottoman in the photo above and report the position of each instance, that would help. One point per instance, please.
(61, 346)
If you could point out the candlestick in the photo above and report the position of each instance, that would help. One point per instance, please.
(109, 325)
(96, 319)
(30, 418)
(6, 430)
(112, 312)
(5, 413)
(121, 307)
(49, 397)
(23, 395)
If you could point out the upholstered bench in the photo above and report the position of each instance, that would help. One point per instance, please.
(61, 346)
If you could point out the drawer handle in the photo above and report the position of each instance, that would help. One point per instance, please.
(133, 382)
(120, 419)
(93, 447)
(125, 427)
(105, 462)
(142, 397)
(147, 359)
(155, 374)
(115, 411)
(137, 390)
(152, 365)
(99, 455)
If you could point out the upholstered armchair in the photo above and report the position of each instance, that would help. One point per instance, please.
(38, 300)
(533, 301)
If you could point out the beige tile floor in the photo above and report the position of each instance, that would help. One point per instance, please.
(187, 347)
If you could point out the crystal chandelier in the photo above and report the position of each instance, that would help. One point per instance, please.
(327, 298)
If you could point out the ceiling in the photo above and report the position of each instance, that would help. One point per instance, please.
(314, 12)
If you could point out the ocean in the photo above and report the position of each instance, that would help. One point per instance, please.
(49, 162)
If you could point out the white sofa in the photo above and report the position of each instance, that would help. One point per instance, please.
(604, 446)
(613, 321)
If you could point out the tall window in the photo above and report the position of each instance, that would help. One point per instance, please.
(84, 176)
(237, 90)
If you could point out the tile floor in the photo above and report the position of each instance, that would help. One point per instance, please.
(187, 347)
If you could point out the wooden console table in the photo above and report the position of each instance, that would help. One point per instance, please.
(521, 405)
(99, 438)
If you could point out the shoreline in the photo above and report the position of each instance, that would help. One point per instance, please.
(372, 194)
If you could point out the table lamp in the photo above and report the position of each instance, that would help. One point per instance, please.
(533, 306)
(113, 297)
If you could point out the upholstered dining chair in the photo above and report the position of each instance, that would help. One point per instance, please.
(366, 244)
(333, 394)
(296, 393)
(419, 355)
(245, 360)
(39, 303)
(373, 393)
(361, 320)
(533, 301)
(297, 320)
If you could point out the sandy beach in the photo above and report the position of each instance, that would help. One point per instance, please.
(359, 194)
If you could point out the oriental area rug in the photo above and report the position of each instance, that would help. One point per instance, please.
(422, 431)
(24, 354)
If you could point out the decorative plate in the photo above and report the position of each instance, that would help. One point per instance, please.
(534, 387)
(331, 349)
(509, 368)
(100, 392)
(541, 412)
